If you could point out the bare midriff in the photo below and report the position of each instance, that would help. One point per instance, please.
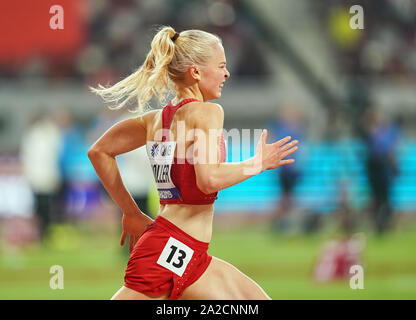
(195, 220)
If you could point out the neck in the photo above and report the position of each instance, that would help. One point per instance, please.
(188, 92)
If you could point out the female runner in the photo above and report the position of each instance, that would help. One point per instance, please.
(185, 145)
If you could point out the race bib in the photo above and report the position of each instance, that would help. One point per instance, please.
(161, 156)
(175, 256)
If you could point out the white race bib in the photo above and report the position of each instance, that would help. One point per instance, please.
(175, 256)
(161, 156)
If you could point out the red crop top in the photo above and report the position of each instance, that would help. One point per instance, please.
(175, 178)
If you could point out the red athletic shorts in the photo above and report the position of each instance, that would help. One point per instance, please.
(165, 258)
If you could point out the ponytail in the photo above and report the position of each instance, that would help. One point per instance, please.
(170, 56)
(150, 79)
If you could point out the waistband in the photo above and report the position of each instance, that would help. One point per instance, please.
(192, 202)
(180, 234)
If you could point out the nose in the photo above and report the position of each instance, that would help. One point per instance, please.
(227, 74)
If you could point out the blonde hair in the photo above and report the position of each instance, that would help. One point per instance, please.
(165, 64)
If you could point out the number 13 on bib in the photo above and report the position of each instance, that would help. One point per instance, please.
(175, 256)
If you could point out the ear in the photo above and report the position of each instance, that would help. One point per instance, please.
(195, 73)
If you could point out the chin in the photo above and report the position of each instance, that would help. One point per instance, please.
(218, 95)
(213, 97)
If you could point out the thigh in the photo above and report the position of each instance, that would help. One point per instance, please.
(128, 294)
(223, 281)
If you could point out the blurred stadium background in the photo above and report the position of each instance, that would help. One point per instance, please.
(297, 67)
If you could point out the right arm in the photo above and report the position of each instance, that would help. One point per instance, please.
(123, 137)
(211, 174)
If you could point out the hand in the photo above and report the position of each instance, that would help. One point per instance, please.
(270, 156)
(133, 225)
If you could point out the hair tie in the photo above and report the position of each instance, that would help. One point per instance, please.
(175, 37)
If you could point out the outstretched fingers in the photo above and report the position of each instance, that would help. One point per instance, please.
(284, 140)
(281, 142)
(289, 145)
(287, 161)
(288, 152)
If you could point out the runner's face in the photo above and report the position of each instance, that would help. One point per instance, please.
(214, 74)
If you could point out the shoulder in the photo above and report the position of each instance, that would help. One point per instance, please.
(209, 106)
(147, 118)
(204, 111)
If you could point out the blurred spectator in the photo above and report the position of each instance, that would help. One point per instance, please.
(74, 193)
(108, 40)
(381, 138)
(39, 154)
(18, 227)
(385, 46)
(289, 122)
(338, 256)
